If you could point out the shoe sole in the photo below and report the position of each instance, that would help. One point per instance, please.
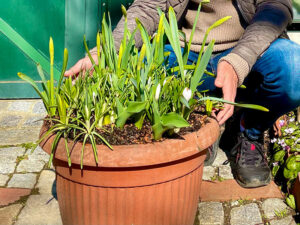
(254, 184)
(248, 185)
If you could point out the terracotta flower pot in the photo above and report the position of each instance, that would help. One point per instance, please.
(156, 183)
(296, 192)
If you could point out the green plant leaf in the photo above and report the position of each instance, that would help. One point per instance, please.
(126, 54)
(185, 57)
(249, 106)
(132, 108)
(33, 84)
(146, 39)
(176, 41)
(201, 66)
(43, 78)
(64, 67)
(174, 120)
(136, 107)
(90, 56)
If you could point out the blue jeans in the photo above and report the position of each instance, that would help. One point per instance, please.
(273, 82)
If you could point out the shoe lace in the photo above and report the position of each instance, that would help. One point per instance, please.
(249, 152)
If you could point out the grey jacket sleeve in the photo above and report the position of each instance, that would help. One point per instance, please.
(269, 22)
(147, 13)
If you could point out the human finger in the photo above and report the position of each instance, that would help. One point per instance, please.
(74, 70)
(225, 114)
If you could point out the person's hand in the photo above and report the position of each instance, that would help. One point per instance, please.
(227, 79)
(83, 64)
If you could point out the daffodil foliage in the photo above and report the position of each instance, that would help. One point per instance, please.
(127, 83)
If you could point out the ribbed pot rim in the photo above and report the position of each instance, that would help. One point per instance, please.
(135, 155)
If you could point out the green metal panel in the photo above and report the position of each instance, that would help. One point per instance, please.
(28, 19)
(35, 20)
(65, 20)
(296, 10)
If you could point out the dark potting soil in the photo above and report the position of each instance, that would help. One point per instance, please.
(130, 134)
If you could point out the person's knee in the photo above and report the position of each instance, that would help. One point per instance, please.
(286, 70)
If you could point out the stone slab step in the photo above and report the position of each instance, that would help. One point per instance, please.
(229, 190)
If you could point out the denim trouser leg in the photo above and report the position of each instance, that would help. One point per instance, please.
(274, 82)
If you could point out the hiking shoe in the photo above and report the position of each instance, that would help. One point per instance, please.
(249, 162)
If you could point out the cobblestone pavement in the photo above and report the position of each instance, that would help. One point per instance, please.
(27, 186)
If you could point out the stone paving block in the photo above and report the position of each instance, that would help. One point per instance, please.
(40, 209)
(20, 106)
(225, 172)
(8, 214)
(30, 166)
(34, 121)
(26, 180)
(10, 121)
(245, 215)
(46, 182)
(289, 220)
(38, 154)
(11, 195)
(8, 158)
(220, 158)
(272, 205)
(211, 213)
(7, 167)
(12, 151)
(16, 136)
(208, 172)
(39, 108)
(3, 179)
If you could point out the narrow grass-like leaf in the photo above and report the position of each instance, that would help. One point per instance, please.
(67, 149)
(186, 56)
(43, 78)
(103, 139)
(82, 150)
(146, 39)
(90, 56)
(201, 66)
(94, 147)
(126, 54)
(64, 67)
(53, 147)
(249, 106)
(176, 42)
(33, 84)
(215, 24)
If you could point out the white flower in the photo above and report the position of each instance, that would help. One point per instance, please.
(187, 94)
(273, 140)
(157, 92)
(289, 130)
(292, 119)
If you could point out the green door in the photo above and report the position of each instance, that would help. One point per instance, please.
(35, 20)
